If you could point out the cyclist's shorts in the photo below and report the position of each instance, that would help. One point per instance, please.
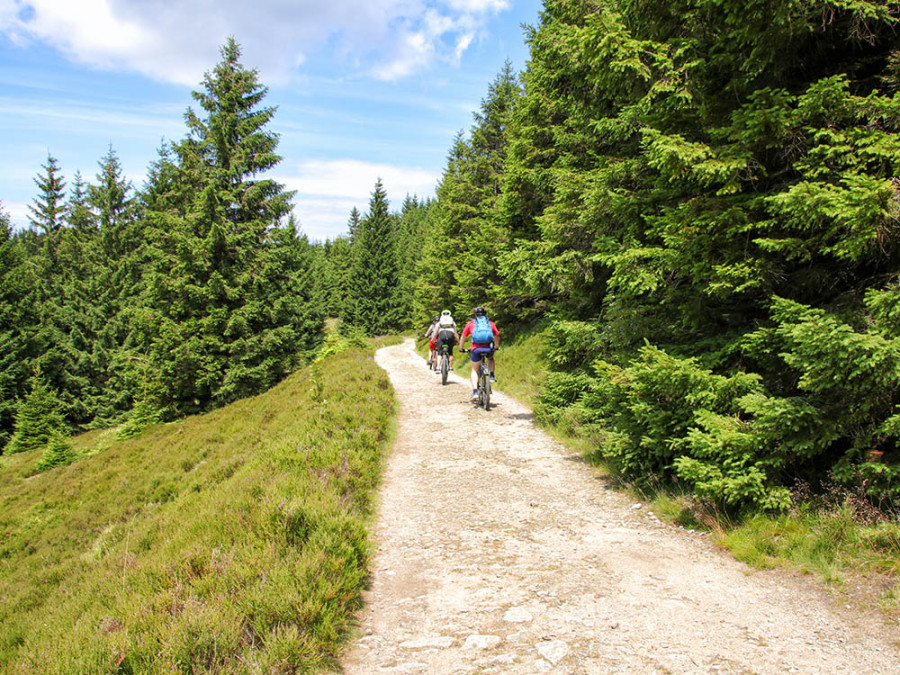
(432, 343)
(481, 352)
(448, 340)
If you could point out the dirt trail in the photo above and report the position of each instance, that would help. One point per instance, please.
(499, 551)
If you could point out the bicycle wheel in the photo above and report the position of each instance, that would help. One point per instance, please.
(445, 368)
(485, 387)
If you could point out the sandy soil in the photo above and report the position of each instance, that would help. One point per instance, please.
(500, 551)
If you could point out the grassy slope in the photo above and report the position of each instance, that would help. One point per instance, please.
(231, 542)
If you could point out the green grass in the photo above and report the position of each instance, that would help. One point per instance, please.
(230, 542)
(832, 543)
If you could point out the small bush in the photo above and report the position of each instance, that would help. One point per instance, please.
(59, 452)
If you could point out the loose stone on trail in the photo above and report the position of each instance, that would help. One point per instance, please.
(554, 651)
(429, 643)
(481, 642)
(517, 615)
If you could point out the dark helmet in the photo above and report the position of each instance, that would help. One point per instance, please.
(479, 311)
(437, 318)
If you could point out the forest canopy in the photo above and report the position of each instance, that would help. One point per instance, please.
(696, 200)
(699, 196)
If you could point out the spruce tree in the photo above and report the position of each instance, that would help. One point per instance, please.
(228, 293)
(79, 215)
(38, 418)
(335, 262)
(112, 203)
(16, 319)
(467, 236)
(48, 211)
(59, 452)
(353, 223)
(411, 229)
(373, 304)
(712, 178)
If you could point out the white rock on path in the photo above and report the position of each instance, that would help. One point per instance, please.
(429, 643)
(481, 642)
(517, 615)
(554, 650)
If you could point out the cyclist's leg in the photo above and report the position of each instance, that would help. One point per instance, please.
(475, 366)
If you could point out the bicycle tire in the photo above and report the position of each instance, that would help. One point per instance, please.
(445, 368)
(485, 388)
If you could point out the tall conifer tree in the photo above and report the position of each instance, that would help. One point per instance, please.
(16, 319)
(373, 302)
(228, 287)
(48, 211)
(459, 262)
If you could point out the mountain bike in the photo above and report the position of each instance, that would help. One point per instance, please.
(484, 382)
(445, 363)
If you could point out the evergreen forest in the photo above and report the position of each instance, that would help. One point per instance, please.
(694, 201)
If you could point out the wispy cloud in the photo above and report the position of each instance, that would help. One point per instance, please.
(328, 190)
(18, 213)
(164, 119)
(176, 41)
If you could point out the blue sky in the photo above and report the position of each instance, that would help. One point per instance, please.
(364, 88)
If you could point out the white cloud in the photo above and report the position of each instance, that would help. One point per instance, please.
(178, 40)
(75, 114)
(328, 190)
(18, 213)
(462, 44)
(476, 6)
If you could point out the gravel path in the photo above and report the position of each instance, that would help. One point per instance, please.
(500, 551)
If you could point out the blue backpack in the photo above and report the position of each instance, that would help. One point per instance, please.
(481, 332)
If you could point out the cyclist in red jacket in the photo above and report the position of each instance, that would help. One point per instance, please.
(432, 335)
(485, 341)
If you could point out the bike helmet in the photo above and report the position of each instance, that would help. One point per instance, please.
(437, 318)
(479, 311)
(446, 312)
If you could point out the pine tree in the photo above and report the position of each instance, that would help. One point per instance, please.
(38, 418)
(16, 319)
(373, 302)
(48, 212)
(466, 236)
(335, 262)
(353, 223)
(228, 290)
(79, 215)
(411, 228)
(59, 452)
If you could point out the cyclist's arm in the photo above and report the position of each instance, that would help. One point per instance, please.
(465, 334)
(496, 335)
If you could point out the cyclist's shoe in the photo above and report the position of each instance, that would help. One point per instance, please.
(474, 396)
(493, 379)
